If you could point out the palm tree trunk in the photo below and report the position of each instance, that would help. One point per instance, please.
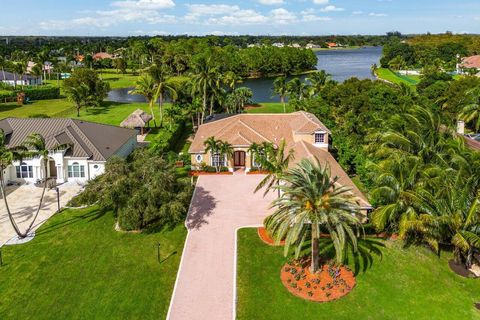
(150, 103)
(282, 100)
(160, 103)
(45, 164)
(315, 255)
(10, 216)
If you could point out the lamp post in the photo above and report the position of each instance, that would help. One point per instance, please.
(58, 199)
(158, 252)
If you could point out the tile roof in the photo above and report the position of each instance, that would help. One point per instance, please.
(244, 129)
(90, 140)
(471, 62)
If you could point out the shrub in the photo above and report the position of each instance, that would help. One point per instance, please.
(167, 137)
(42, 93)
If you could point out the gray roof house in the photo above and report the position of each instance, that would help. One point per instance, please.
(22, 80)
(90, 146)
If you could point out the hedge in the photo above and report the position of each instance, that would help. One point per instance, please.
(42, 93)
(167, 138)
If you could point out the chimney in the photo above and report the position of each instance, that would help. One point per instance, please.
(461, 127)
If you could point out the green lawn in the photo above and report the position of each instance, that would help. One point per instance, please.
(39, 107)
(402, 283)
(116, 80)
(389, 75)
(78, 267)
(270, 107)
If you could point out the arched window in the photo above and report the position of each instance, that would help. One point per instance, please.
(199, 158)
(75, 170)
(24, 171)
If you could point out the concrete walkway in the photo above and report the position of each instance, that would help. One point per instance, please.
(23, 203)
(204, 288)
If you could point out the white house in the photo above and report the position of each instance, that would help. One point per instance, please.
(89, 146)
(21, 80)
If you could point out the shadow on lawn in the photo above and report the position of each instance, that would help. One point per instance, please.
(89, 217)
(104, 108)
(359, 261)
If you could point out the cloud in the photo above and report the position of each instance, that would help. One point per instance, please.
(282, 16)
(271, 2)
(320, 1)
(144, 4)
(357, 12)
(312, 17)
(122, 11)
(331, 8)
(374, 14)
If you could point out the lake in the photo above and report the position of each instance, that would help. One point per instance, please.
(341, 64)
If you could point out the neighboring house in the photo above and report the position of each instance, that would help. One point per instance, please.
(90, 146)
(25, 80)
(278, 44)
(472, 62)
(303, 133)
(102, 55)
(312, 46)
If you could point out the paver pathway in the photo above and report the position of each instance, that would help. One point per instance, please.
(204, 288)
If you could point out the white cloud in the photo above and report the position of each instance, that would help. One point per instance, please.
(357, 12)
(374, 14)
(144, 4)
(312, 17)
(271, 2)
(331, 8)
(320, 1)
(282, 16)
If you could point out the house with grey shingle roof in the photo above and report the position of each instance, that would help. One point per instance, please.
(21, 80)
(89, 146)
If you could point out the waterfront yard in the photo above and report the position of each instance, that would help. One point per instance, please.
(393, 77)
(78, 267)
(398, 283)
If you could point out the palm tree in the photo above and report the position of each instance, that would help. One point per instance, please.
(145, 86)
(276, 162)
(226, 149)
(374, 69)
(230, 79)
(471, 112)
(318, 80)
(79, 95)
(204, 78)
(3, 64)
(214, 146)
(294, 89)
(281, 89)
(37, 147)
(163, 88)
(312, 204)
(7, 157)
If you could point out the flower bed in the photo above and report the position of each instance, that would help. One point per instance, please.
(258, 172)
(265, 237)
(207, 173)
(329, 283)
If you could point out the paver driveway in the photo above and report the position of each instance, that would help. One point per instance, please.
(204, 288)
(23, 203)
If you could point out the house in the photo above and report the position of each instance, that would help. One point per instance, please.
(90, 145)
(295, 45)
(312, 46)
(472, 62)
(303, 133)
(138, 119)
(20, 80)
(332, 45)
(102, 55)
(278, 44)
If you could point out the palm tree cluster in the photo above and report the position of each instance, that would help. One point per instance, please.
(220, 149)
(34, 146)
(427, 183)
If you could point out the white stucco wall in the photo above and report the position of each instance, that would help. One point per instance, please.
(96, 168)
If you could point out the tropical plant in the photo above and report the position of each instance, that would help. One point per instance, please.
(163, 87)
(237, 99)
(204, 78)
(79, 95)
(312, 204)
(280, 88)
(471, 111)
(275, 162)
(214, 146)
(318, 80)
(230, 79)
(145, 86)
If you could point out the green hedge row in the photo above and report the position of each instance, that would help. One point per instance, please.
(42, 93)
(168, 137)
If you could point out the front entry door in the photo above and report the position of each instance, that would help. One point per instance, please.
(53, 169)
(239, 159)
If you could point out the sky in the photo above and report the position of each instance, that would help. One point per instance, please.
(229, 17)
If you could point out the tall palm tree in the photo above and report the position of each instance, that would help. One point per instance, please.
(7, 157)
(230, 79)
(79, 95)
(294, 89)
(163, 88)
(471, 111)
(276, 162)
(145, 86)
(312, 204)
(280, 88)
(37, 147)
(3, 65)
(374, 69)
(204, 78)
(226, 149)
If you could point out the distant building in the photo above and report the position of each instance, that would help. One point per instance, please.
(278, 44)
(102, 55)
(19, 80)
(332, 45)
(472, 62)
(312, 46)
(295, 45)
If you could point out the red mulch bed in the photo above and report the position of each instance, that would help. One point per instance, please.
(204, 173)
(265, 237)
(328, 284)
